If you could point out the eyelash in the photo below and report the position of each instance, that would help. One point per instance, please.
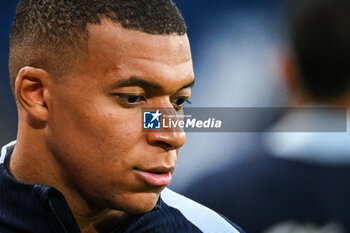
(184, 100)
(125, 97)
(133, 100)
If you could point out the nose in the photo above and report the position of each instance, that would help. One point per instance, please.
(172, 138)
(169, 140)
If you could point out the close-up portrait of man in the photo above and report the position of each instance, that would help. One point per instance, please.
(81, 72)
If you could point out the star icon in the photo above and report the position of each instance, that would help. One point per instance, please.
(156, 115)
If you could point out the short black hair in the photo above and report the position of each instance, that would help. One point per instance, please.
(50, 32)
(320, 40)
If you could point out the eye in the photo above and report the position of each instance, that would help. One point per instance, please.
(131, 99)
(179, 102)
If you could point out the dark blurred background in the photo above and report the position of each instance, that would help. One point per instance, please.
(8, 111)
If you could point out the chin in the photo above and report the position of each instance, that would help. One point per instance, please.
(140, 203)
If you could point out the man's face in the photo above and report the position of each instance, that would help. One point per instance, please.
(95, 126)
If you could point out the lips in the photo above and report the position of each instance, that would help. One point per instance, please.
(156, 176)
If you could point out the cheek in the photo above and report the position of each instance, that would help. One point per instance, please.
(114, 128)
(99, 132)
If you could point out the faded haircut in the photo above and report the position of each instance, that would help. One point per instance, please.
(50, 34)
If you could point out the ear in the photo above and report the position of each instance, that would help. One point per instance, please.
(31, 91)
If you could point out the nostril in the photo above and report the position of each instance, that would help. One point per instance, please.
(164, 145)
(167, 141)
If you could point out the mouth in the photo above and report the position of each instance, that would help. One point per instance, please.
(160, 176)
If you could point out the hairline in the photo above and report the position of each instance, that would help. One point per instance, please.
(76, 53)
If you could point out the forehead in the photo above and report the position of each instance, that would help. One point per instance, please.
(125, 40)
(114, 48)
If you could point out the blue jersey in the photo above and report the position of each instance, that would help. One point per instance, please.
(43, 209)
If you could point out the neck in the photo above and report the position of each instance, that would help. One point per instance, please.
(32, 162)
(104, 222)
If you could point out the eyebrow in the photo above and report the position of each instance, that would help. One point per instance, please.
(135, 81)
(190, 84)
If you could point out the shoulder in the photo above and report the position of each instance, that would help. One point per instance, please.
(202, 217)
(6, 229)
(175, 213)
